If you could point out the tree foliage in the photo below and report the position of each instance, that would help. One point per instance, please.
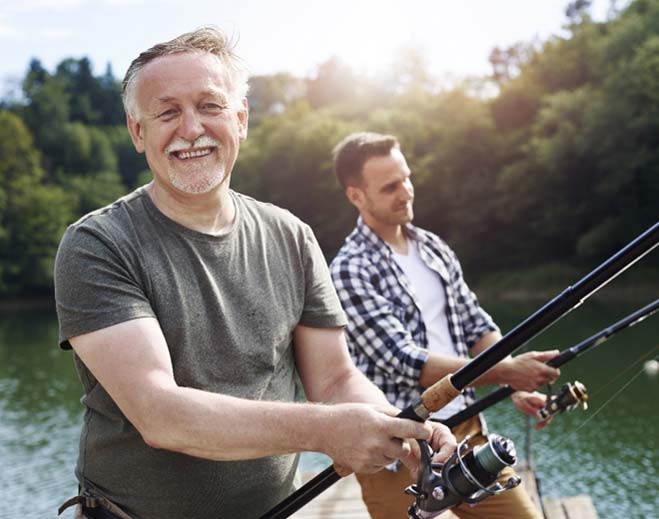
(560, 166)
(33, 215)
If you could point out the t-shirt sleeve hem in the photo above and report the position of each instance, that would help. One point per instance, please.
(78, 327)
(324, 320)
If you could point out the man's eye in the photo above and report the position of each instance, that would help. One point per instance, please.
(167, 114)
(213, 107)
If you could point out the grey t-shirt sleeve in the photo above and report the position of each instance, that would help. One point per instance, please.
(322, 308)
(95, 284)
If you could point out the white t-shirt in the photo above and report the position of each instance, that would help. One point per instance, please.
(429, 294)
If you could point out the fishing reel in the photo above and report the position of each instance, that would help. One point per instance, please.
(568, 398)
(465, 477)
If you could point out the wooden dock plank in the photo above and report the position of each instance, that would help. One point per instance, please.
(343, 500)
(530, 484)
(573, 507)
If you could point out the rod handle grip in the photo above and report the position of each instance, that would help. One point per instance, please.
(440, 394)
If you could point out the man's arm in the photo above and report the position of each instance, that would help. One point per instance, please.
(388, 342)
(524, 372)
(375, 330)
(528, 369)
(131, 360)
(329, 375)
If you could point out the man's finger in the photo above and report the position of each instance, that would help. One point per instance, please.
(403, 428)
(546, 355)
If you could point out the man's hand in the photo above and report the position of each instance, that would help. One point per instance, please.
(531, 404)
(442, 442)
(528, 371)
(366, 438)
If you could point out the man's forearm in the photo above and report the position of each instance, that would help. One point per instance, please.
(221, 427)
(438, 366)
(485, 342)
(353, 386)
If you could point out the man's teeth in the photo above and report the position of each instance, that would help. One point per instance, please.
(191, 154)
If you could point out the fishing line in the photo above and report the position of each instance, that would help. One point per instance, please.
(636, 362)
(573, 432)
(615, 395)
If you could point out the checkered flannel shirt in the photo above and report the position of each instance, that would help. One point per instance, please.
(386, 334)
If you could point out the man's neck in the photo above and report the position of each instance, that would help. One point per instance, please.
(393, 235)
(211, 213)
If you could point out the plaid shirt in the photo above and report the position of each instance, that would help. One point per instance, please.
(386, 334)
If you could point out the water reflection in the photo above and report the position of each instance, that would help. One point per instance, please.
(612, 457)
(40, 415)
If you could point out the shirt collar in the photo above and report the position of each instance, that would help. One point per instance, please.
(372, 240)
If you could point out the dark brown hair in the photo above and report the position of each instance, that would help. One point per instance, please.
(352, 152)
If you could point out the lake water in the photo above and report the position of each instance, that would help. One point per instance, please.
(609, 452)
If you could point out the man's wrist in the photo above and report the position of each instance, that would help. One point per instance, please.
(501, 371)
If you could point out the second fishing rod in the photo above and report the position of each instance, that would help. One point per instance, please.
(563, 358)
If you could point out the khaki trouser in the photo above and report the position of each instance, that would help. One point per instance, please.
(383, 494)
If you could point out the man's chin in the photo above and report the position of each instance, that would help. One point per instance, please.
(197, 186)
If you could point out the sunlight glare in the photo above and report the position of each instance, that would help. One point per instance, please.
(370, 48)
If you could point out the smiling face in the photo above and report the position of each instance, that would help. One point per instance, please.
(385, 194)
(190, 124)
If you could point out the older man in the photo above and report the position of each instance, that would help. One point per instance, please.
(190, 308)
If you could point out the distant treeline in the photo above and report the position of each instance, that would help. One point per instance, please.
(554, 158)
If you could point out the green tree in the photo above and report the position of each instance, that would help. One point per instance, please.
(33, 216)
(271, 95)
(287, 161)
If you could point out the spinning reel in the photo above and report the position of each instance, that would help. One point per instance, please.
(465, 477)
(568, 398)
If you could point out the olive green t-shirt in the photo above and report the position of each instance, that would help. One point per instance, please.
(227, 306)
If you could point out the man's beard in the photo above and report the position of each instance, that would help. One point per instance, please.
(196, 178)
(197, 182)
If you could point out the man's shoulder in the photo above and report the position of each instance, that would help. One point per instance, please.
(268, 211)
(110, 218)
(354, 255)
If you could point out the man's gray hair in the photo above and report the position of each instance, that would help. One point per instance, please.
(206, 39)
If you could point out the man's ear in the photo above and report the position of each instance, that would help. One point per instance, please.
(355, 195)
(243, 119)
(135, 130)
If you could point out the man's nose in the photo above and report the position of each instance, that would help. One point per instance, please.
(408, 191)
(191, 125)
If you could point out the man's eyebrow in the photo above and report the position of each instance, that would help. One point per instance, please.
(211, 92)
(216, 92)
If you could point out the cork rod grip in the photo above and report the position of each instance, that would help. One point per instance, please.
(439, 394)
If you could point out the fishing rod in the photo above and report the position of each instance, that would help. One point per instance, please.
(446, 389)
(564, 357)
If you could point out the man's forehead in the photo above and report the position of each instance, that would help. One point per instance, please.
(381, 166)
(198, 70)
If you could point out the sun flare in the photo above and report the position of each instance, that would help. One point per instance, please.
(372, 47)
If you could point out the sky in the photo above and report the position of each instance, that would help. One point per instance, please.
(454, 36)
